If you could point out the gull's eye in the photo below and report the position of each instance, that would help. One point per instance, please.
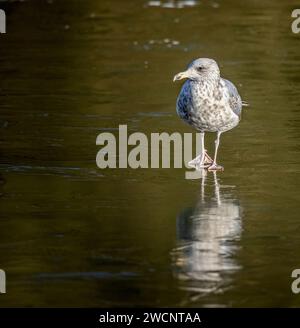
(200, 68)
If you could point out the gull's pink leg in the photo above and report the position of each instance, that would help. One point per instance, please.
(215, 166)
(202, 160)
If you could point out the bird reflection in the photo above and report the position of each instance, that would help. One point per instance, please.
(207, 240)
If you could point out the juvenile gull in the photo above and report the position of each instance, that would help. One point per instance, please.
(209, 103)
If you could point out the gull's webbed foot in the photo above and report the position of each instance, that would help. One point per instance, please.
(201, 162)
(207, 158)
(215, 167)
(197, 164)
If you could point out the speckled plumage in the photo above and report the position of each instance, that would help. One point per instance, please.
(209, 103)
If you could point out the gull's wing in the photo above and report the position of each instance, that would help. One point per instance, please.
(235, 100)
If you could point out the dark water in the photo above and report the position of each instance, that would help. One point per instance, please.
(74, 235)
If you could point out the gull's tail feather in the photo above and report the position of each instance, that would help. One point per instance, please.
(245, 103)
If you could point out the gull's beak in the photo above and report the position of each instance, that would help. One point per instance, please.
(180, 76)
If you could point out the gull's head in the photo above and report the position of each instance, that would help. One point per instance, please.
(200, 69)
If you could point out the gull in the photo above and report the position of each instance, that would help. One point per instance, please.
(208, 103)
